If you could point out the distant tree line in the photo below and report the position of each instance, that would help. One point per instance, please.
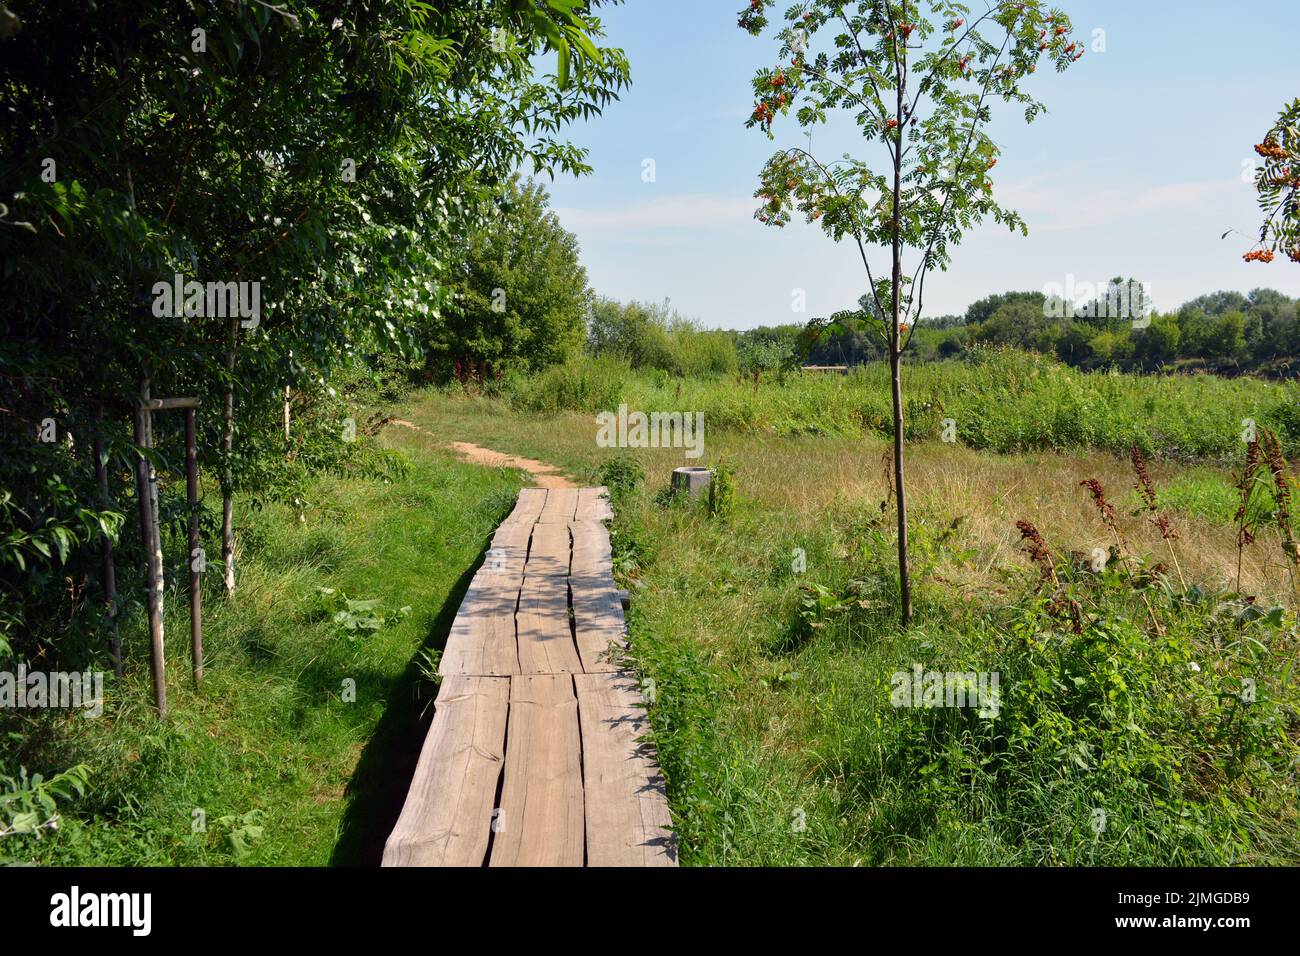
(1223, 332)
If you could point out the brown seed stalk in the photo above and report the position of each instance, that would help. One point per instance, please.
(1146, 487)
(1246, 487)
(1108, 516)
(1277, 466)
(1038, 551)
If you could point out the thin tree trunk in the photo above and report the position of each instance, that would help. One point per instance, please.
(895, 361)
(900, 489)
(192, 499)
(227, 475)
(153, 495)
(287, 445)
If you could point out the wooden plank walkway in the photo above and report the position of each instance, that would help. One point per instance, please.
(535, 755)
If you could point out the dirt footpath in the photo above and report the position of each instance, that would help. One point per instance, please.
(543, 475)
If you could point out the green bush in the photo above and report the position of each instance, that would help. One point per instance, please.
(622, 475)
(654, 336)
(722, 490)
(1113, 745)
(583, 385)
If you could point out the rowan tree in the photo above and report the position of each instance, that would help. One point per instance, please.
(1278, 185)
(918, 79)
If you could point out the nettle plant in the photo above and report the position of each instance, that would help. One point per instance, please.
(918, 80)
(1278, 185)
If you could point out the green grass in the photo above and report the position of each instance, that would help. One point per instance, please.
(1003, 401)
(1202, 493)
(777, 737)
(283, 770)
(771, 706)
(772, 711)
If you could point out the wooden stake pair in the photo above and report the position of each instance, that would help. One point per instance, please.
(147, 493)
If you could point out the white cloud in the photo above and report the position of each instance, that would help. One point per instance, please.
(695, 212)
(1050, 202)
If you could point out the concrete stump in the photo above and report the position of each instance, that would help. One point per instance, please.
(691, 479)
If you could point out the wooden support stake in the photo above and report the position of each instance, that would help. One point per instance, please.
(169, 404)
(227, 474)
(288, 445)
(145, 479)
(192, 496)
(108, 574)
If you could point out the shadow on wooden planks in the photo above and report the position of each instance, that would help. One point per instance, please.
(378, 786)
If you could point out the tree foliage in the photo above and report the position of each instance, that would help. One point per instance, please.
(657, 336)
(1278, 184)
(520, 298)
(330, 153)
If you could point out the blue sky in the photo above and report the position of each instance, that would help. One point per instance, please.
(1136, 169)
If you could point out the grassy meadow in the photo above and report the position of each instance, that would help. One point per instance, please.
(1114, 745)
(1001, 400)
(766, 632)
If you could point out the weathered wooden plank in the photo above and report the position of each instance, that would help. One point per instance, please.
(593, 505)
(592, 556)
(561, 503)
(627, 820)
(542, 624)
(598, 624)
(576, 785)
(509, 549)
(482, 637)
(548, 556)
(529, 506)
(447, 818)
(541, 819)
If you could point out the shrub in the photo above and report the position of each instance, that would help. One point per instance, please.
(584, 385)
(622, 475)
(654, 336)
(722, 490)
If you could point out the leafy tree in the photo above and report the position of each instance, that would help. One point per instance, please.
(1017, 323)
(1111, 348)
(1197, 332)
(1217, 303)
(758, 355)
(522, 299)
(1157, 344)
(657, 336)
(1271, 318)
(921, 92)
(786, 336)
(983, 309)
(634, 332)
(328, 155)
(1116, 306)
(1229, 337)
(1074, 346)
